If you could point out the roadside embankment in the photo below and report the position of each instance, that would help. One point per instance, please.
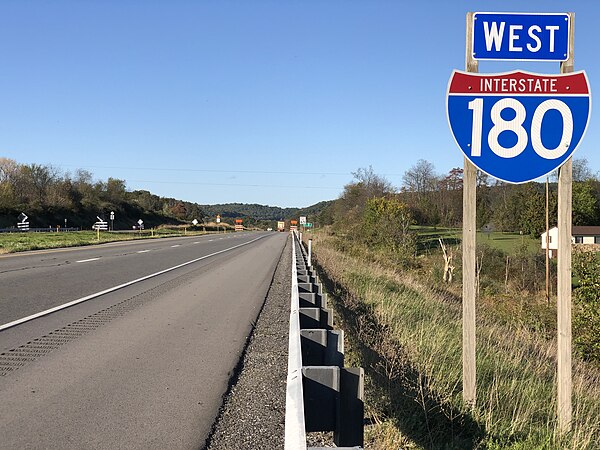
(408, 337)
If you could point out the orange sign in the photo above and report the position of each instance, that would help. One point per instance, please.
(238, 221)
(294, 222)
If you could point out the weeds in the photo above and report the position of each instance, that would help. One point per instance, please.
(407, 334)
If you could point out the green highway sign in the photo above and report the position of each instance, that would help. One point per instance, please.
(308, 225)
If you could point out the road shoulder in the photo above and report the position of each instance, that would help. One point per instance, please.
(253, 413)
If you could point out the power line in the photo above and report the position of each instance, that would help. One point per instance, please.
(235, 184)
(180, 169)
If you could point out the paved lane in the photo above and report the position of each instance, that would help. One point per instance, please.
(37, 281)
(152, 377)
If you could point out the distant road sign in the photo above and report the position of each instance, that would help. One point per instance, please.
(518, 126)
(195, 221)
(23, 224)
(218, 219)
(521, 36)
(308, 225)
(302, 220)
(100, 225)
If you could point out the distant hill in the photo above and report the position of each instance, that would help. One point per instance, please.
(51, 198)
(262, 212)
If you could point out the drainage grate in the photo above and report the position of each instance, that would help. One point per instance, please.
(16, 358)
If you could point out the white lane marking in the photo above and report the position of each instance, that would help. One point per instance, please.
(176, 245)
(198, 242)
(210, 240)
(120, 286)
(87, 260)
(143, 251)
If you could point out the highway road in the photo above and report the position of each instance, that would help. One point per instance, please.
(143, 365)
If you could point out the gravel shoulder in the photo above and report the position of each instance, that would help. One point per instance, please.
(253, 413)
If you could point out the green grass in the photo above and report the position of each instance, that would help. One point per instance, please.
(509, 242)
(19, 242)
(504, 241)
(407, 336)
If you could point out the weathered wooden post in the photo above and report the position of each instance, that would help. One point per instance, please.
(468, 247)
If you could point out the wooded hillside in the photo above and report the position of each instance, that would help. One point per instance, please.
(48, 196)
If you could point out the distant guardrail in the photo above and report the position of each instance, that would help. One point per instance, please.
(39, 230)
(322, 394)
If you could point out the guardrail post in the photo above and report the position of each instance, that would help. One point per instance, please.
(350, 426)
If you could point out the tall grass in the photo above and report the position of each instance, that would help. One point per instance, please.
(408, 336)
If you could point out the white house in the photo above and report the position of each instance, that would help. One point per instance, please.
(579, 235)
(552, 241)
(586, 235)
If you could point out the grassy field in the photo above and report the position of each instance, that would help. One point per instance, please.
(505, 241)
(406, 334)
(19, 242)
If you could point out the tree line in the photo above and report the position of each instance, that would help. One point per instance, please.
(49, 196)
(434, 199)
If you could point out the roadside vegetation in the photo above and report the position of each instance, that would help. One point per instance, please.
(19, 242)
(52, 198)
(397, 294)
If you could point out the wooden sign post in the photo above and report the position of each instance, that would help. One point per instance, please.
(565, 221)
(474, 105)
(469, 243)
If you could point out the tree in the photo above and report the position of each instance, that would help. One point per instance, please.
(178, 210)
(581, 170)
(533, 216)
(115, 191)
(36, 181)
(585, 204)
(8, 174)
(586, 317)
(352, 201)
(422, 193)
(386, 223)
(421, 177)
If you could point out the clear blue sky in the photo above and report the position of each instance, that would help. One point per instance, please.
(271, 102)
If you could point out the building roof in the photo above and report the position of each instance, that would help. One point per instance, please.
(586, 231)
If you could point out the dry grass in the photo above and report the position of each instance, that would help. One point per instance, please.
(407, 335)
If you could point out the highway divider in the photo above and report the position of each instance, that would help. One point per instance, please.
(322, 394)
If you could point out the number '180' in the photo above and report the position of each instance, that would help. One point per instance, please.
(515, 125)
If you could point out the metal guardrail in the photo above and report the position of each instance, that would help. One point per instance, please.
(322, 394)
(38, 230)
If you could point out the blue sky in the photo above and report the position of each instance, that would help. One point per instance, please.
(271, 102)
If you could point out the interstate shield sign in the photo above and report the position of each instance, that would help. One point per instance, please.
(518, 126)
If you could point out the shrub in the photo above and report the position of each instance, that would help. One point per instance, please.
(586, 317)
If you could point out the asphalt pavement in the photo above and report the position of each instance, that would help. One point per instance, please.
(145, 366)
